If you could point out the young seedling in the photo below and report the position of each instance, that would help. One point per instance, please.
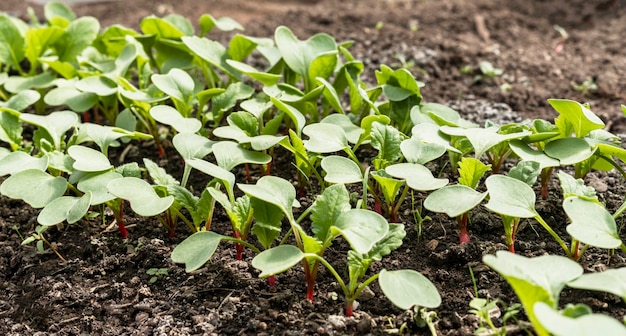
(491, 141)
(513, 199)
(40, 240)
(405, 288)
(546, 163)
(458, 200)
(156, 274)
(538, 279)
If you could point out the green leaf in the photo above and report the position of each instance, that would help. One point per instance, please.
(575, 187)
(341, 170)
(229, 155)
(158, 174)
(267, 224)
(421, 152)
(294, 114)
(161, 28)
(575, 114)
(327, 207)
(207, 22)
(538, 279)
(88, 160)
(277, 260)
(300, 55)
(386, 139)
(471, 171)
(177, 84)
(591, 223)
(79, 35)
(100, 85)
(56, 9)
(454, 200)
(389, 185)
(527, 153)
(15, 162)
(417, 176)
(10, 129)
(96, 184)
(196, 250)
(170, 116)
(430, 133)
(526, 171)
(510, 197)
(211, 52)
(227, 100)
(408, 288)
(274, 190)
(17, 84)
(267, 79)
(609, 281)
(143, 199)
(11, 43)
(361, 228)
(569, 151)
(192, 146)
(38, 40)
(76, 100)
(33, 186)
(353, 132)
(21, 100)
(325, 138)
(226, 178)
(64, 208)
(392, 241)
(483, 139)
(591, 324)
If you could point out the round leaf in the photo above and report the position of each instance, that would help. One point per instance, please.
(325, 138)
(361, 228)
(408, 288)
(569, 150)
(35, 187)
(417, 176)
(510, 197)
(99, 85)
(341, 170)
(19, 161)
(274, 190)
(591, 223)
(277, 260)
(192, 146)
(170, 116)
(453, 200)
(96, 184)
(88, 160)
(143, 199)
(196, 250)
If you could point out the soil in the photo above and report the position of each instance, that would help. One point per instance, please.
(103, 288)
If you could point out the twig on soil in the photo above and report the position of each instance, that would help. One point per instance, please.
(481, 28)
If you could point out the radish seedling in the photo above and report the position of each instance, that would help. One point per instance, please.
(458, 200)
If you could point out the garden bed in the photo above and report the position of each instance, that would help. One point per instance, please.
(105, 286)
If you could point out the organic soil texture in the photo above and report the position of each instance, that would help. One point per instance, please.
(104, 288)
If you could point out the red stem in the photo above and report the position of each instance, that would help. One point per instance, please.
(171, 226)
(248, 174)
(463, 235)
(238, 247)
(120, 222)
(310, 281)
(378, 208)
(349, 309)
(271, 280)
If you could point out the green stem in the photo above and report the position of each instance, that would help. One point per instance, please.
(242, 242)
(400, 201)
(553, 234)
(192, 227)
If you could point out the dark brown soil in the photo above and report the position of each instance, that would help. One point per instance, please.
(104, 289)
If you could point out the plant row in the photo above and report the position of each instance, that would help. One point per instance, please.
(223, 107)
